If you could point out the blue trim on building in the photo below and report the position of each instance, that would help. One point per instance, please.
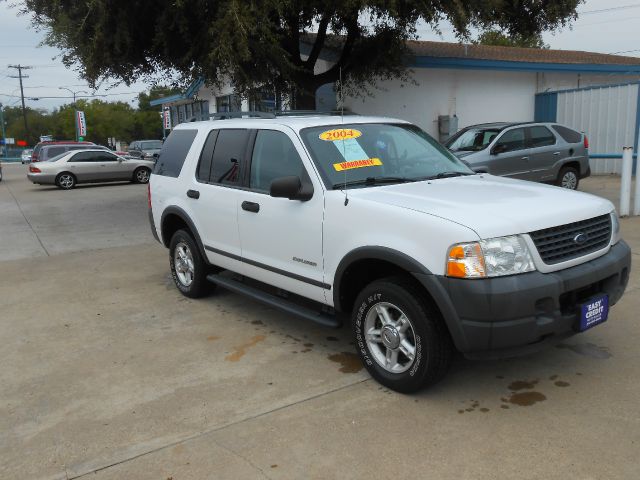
(480, 64)
(189, 93)
(609, 155)
(593, 87)
(546, 107)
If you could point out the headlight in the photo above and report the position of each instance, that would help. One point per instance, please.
(493, 257)
(615, 228)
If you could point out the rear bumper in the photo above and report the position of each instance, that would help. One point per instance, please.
(41, 178)
(508, 316)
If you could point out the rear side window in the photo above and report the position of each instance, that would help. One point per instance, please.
(54, 151)
(227, 166)
(567, 134)
(174, 152)
(86, 157)
(204, 165)
(540, 136)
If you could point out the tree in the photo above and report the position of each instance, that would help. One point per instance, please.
(157, 91)
(498, 38)
(268, 42)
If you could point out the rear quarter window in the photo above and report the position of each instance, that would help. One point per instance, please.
(567, 134)
(174, 152)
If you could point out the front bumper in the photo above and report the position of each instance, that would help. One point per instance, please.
(518, 314)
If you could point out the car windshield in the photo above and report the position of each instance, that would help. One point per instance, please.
(472, 140)
(152, 145)
(369, 154)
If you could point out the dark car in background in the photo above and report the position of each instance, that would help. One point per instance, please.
(145, 149)
(536, 151)
(43, 151)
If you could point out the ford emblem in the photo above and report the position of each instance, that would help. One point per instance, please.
(580, 238)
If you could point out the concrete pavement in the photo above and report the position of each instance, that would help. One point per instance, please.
(109, 373)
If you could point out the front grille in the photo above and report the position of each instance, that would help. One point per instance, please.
(558, 244)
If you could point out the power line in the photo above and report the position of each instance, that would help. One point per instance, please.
(610, 9)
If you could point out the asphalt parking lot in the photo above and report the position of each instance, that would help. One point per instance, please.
(109, 373)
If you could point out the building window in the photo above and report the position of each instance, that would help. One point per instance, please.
(264, 101)
(228, 103)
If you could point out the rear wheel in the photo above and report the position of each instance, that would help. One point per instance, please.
(568, 178)
(141, 175)
(400, 336)
(66, 181)
(188, 268)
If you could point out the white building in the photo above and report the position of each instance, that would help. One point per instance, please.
(474, 83)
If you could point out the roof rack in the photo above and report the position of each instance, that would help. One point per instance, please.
(228, 115)
(272, 115)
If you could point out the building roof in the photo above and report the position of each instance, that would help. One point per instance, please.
(515, 54)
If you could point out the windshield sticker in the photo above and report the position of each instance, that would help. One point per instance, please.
(369, 162)
(339, 134)
(350, 150)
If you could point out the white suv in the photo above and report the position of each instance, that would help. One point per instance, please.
(329, 217)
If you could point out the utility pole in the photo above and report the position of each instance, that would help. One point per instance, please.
(24, 110)
(4, 136)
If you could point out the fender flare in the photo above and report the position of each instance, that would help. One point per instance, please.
(390, 255)
(179, 212)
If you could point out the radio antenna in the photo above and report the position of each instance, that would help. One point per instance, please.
(346, 192)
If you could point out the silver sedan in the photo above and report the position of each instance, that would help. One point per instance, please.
(89, 166)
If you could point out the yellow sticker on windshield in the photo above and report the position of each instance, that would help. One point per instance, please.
(339, 134)
(369, 162)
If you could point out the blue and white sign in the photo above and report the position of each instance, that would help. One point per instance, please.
(594, 312)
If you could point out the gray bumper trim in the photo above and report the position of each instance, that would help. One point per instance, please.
(521, 312)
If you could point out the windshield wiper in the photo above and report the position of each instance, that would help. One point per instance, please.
(447, 175)
(372, 181)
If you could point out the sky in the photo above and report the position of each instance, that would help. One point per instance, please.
(605, 26)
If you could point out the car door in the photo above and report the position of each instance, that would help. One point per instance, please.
(113, 168)
(84, 165)
(213, 195)
(543, 153)
(281, 239)
(509, 157)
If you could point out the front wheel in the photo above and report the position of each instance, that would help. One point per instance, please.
(141, 175)
(400, 336)
(568, 178)
(66, 181)
(188, 269)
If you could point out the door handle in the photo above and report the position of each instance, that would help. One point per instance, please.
(193, 194)
(525, 158)
(556, 153)
(251, 207)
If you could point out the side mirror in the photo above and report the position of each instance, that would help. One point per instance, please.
(500, 148)
(120, 159)
(156, 155)
(291, 188)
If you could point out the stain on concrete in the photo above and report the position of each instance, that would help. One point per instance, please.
(587, 349)
(257, 322)
(484, 410)
(350, 362)
(522, 385)
(241, 350)
(553, 377)
(213, 338)
(308, 345)
(560, 383)
(275, 465)
(526, 399)
(332, 339)
(504, 406)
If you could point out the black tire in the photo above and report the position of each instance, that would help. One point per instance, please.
(66, 180)
(199, 286)
(433, 349)
(569, 178)
(141, 175)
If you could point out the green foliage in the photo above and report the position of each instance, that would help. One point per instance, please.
(156, 92)
(104, 120)
(259, 42)
(501, 39)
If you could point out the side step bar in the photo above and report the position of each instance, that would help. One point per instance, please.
(322, 318)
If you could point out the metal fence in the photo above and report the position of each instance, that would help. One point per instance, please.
(608, 114)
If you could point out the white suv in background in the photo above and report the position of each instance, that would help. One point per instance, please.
(370, 218)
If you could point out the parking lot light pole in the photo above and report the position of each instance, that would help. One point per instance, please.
(74, 103)
(625, 181)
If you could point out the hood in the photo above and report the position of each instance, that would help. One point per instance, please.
(491, 206)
